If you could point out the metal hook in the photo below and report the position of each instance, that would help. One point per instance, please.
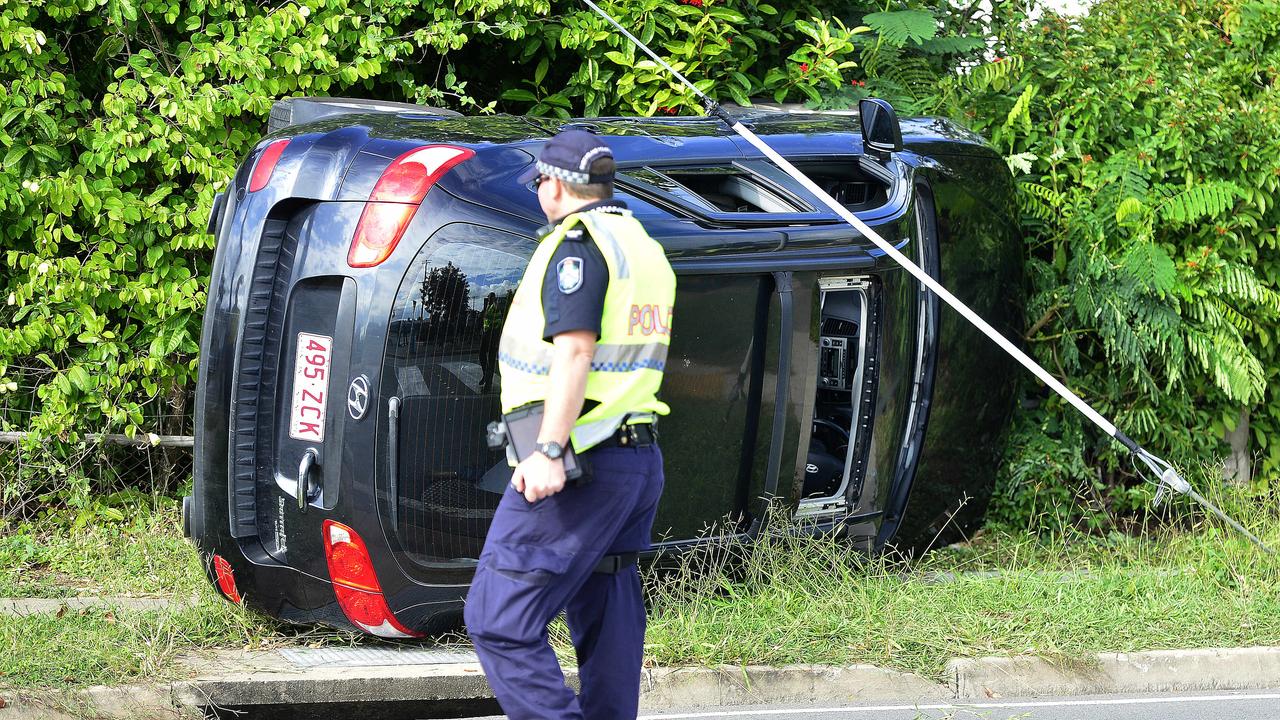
(304, 472)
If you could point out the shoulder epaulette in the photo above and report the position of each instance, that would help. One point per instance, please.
(576, 235)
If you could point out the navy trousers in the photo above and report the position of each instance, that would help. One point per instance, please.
(538, 560)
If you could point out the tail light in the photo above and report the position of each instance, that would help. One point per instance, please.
(356, 585)
(226, 581)
(396, 198)
(266, 165)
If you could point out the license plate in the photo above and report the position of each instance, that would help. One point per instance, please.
(310, 387)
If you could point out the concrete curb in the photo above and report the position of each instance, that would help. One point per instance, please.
(1106, 673)
(124, 702)
(729, 685)
(424, 683)
(22, 607)
(265, 678)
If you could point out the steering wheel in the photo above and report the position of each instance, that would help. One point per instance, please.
(830, 425)
(822, 422)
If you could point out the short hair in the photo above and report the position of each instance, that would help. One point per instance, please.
(594, 191)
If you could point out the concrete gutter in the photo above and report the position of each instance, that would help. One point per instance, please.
(266, 678)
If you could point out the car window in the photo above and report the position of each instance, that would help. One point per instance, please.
(441, 365)
(718, 189)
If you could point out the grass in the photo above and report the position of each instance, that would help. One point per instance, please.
(794, 600)
(144, 556)
(786, 599)
(104, 646)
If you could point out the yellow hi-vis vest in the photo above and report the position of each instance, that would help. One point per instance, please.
(635, 329)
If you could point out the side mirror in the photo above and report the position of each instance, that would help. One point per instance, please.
(881, 132)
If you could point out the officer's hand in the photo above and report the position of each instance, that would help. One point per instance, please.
(538, 477)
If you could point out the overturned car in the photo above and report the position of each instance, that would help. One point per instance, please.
(366, 256)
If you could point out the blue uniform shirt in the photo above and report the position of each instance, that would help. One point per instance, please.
(577, 278)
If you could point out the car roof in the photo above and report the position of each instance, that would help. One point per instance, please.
(641, 139)
(505, 145)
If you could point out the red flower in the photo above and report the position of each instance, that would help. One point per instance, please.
(858, 83)
(804, 67)
(695, 3)
(997, 60)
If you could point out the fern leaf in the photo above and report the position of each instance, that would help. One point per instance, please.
(951, 45)
(1020, 113)
(1208, 200)
(1239, 282)
(1050, 197)
(1141, 421)
(995, 76)
(1231, 316)
(898, 27)
(1233, 368)
(1131, 211)
(1151, 266)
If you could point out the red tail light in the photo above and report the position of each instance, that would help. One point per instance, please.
(266, 165)
(395, 199)
(226, 581)
(356, 585)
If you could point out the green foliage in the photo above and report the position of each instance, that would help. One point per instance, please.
(900, 27)
(905, 54)
(1145, 140)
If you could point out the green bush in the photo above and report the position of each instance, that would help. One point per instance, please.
(1146, 141)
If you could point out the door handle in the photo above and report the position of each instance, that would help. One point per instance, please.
(304, 478)
(393, 460)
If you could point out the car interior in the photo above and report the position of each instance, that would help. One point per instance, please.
(843, 396)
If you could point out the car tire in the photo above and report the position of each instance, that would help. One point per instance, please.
(297, 110)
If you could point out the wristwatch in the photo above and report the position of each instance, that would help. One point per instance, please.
(552, 449)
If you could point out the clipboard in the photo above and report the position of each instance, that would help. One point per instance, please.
(523, 425)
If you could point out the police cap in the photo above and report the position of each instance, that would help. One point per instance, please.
(568, 156)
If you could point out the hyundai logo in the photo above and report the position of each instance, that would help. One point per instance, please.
(358, 397)
(811, 468)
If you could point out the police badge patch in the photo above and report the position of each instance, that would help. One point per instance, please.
(569, 271)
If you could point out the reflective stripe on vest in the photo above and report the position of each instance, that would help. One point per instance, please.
(536, 358)
(635, 329)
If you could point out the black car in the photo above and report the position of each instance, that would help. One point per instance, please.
(366, 256)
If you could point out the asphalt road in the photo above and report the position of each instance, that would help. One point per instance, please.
(1251, 705)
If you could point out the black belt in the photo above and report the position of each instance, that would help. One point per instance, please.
(613, 564)
(637, 435)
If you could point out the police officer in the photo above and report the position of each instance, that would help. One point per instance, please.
(586, 335)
